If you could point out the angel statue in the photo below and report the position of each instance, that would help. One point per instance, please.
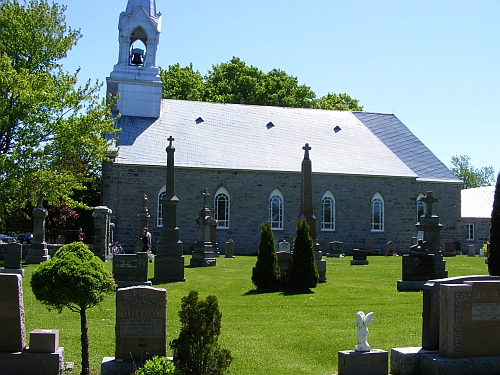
(362, 322)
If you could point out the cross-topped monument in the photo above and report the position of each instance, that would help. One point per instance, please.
(205, 194)
(429, 200)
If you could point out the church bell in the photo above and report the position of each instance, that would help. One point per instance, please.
(137, 56)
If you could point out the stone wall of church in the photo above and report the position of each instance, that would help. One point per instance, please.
(124, 186)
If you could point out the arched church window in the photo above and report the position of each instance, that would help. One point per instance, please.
(221, 205)
(377, 214)
(276, 210)
(328, 212)
(159, 214)
(421, 207)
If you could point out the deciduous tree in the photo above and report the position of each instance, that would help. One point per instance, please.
(74, 278)
(471, 177)
(51, 130)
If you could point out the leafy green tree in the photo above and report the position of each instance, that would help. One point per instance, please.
(74, 278)
(236, 82)
(51, 130)
(197, 350)
(342, 102)
(266, 273)
(182, 83)
(494, 250)
(303, 271)
(471, 177)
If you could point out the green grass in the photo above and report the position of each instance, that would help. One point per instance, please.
(270, 333)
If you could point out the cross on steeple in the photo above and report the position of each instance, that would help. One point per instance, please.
(306, 149)
(429, 199)
(170, 139)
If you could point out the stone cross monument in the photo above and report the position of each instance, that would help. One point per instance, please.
(38, 251)
(169, 261)
(203, 255)
(306, 209)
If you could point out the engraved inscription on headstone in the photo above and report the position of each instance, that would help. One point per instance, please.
(140, 323)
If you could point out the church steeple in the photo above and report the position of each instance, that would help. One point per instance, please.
(136, 77)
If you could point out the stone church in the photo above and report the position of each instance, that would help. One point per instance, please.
(369, 170)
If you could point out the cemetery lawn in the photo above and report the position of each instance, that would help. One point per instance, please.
(273, 333)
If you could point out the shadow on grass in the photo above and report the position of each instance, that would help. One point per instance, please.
(283, 290)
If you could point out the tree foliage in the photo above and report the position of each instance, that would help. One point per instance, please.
(236, 82)
(197, 350)
(494, 250)
(74, 278)
(471, 177)
(303, 271)
(266, 273)
(51, 130)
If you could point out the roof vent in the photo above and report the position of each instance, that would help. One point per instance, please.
(199, 120)
(337, 129)
(270, 125)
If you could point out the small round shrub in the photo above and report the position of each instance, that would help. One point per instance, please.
(158, 366)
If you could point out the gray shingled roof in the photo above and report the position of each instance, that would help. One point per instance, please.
(235, 136)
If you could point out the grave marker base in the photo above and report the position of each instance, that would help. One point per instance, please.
(373, 362)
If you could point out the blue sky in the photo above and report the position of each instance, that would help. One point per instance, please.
(432, 64)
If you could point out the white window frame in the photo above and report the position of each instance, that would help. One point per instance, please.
(328, 202)
(422, 204)
(276, 198)
(159, 207)
(469, 234)
(222, 222)
(377, 207)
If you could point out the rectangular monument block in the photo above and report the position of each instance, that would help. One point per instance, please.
(141, 318)
(169, 269)
(44, 340)
(13, 337)
(130, 267)
(470, 319)
(373, 362)
(418, 266)
(13, 256)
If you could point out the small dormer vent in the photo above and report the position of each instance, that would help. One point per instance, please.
(199, 120)
(337, 129)
(270, 125)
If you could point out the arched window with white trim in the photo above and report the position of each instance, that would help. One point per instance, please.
(377, 213)
(421, 207)
(328, 212)
(221, 206)
(159, 212)
(276, 210)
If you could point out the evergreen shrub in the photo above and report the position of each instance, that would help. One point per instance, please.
(158, 366)
(304, 271)
(266, 273)
(494, 248)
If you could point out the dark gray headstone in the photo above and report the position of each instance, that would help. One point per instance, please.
(131, 269)
(13, 256)
(418, 266)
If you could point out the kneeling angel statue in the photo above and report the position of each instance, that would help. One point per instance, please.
(362, 323)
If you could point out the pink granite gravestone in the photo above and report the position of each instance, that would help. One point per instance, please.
(12, 314)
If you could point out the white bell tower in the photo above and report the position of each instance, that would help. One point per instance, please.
(136, 77)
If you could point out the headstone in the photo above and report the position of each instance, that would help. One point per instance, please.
(285, 264)
(471, 250)
(470, 319)
(203, 255)
(169, 260)
(418, 267)
(374, 362)
(336, 249)
(229, 251)
(13, 337)
(13, 259)
(306, 210)
(449, 249)
(44, 340)
(102, 232)
(141, 318)
(131, 269)
(359, 257)
(38, 251)
(391, 249)
(284, 246)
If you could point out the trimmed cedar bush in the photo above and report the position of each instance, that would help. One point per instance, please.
(196, 350)
(266, 273)
(494, 250)
(74, 278)
(158, 366)
(304, 271)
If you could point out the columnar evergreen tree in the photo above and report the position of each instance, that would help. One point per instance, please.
(266, 273)
(494, 252)
(304, 271)
(74, 278)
